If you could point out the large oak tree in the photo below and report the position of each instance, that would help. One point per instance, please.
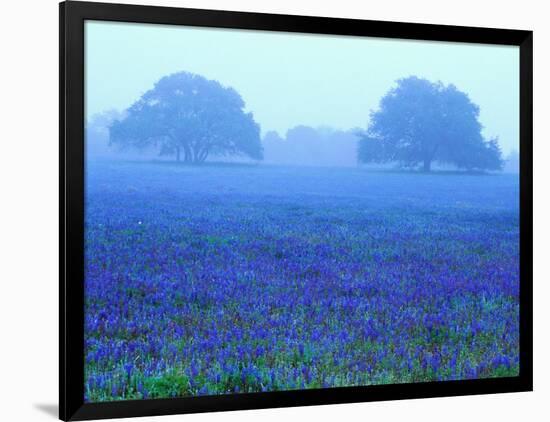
(420, 122)
(190, 117)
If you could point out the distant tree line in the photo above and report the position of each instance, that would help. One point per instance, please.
(418, 123)
(305, 145)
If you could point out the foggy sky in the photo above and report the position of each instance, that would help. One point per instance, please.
(298, 79)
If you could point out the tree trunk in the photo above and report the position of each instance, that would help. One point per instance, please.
(187, 156)
(178, 154)
(196, 155)
(203, 154)
(427, 167)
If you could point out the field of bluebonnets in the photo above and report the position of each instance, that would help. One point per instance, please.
(226, 279)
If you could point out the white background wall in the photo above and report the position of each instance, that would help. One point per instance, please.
(29, 198)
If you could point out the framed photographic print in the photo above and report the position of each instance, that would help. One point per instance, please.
(265, 210)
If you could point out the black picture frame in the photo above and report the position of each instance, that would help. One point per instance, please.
(72, 15)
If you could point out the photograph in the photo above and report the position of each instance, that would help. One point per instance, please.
(247, 211)
(272, 211)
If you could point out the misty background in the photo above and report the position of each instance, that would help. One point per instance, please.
(310, 94)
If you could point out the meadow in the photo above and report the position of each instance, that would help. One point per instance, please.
(217, 279)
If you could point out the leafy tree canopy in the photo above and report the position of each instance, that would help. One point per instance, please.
(420, 122)
(188, 115)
